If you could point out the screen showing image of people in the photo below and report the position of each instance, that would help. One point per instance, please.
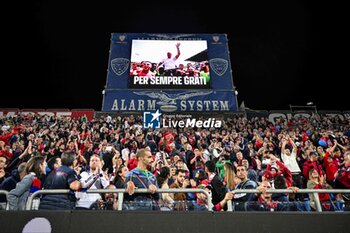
(169, 64)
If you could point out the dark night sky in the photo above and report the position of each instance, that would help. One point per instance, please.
(282, 52)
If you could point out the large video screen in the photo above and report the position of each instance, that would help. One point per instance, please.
(169, 64)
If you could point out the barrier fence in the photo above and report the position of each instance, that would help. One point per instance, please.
(4, 206)
(121, 192)
(314, 192)
(4, 192)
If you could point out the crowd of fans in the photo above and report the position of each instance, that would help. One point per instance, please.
(149, 69)
(42, 152)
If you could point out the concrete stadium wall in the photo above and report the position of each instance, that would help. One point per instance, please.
(174, 222)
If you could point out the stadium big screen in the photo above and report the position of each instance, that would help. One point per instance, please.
(170, 72)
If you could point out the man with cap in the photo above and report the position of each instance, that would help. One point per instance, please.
(267, 176)
(278, 168)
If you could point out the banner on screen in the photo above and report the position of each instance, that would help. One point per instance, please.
(169, 64)
(169, 61)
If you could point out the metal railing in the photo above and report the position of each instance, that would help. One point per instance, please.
(6, 193)
(120, 194)
(314, 192)
(44, 191)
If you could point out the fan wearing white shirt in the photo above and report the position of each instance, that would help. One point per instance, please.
(169, 62)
